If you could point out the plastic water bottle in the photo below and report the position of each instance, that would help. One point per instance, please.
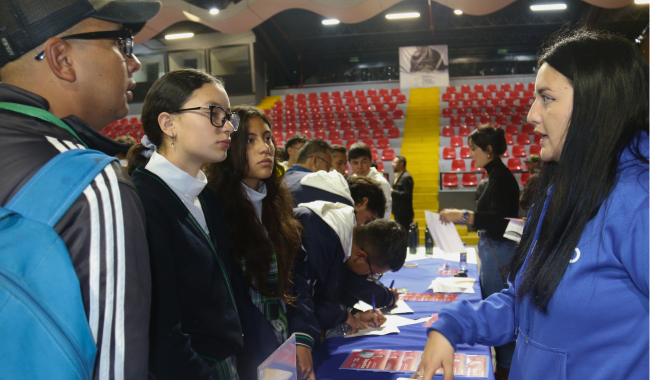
(462, 266)
(428, 243)
(413, 238)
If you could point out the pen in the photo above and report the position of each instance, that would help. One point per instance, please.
(373, 308)
(391, 284)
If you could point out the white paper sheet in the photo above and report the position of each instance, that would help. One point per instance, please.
(400, 308)
(383, 330)
(453, 285)
(445, 235)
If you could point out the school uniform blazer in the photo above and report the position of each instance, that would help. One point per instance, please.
(194, 316)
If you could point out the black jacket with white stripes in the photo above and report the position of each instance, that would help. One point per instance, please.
(104, 232)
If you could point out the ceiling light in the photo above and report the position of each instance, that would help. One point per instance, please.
(393, 16)
(458, 12)
(330, 21)
(547, 7)
(179, 35)
(641, 1)
(214, 11)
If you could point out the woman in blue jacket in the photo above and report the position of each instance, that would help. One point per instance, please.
(195, 330)
(577, 304)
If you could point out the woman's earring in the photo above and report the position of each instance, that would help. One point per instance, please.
(173, 140)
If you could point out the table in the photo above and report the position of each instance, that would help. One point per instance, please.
(331, 353)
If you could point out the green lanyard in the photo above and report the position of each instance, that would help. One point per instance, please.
(39, 113)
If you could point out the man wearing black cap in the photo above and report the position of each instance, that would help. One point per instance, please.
(74, 59)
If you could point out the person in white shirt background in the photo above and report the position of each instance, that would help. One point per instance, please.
(360, 159)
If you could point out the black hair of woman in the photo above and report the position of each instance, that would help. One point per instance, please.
(610, 107)
(250, 240)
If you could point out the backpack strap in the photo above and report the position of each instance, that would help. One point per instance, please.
(39, 113)
(58, 184)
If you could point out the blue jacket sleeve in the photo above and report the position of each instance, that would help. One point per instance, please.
(302, 321)
(491, 322)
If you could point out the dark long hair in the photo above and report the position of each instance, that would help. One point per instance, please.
(486, 135)
(610, 107)
(248, 238)
(168, 93)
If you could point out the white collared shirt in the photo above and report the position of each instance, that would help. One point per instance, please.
(256, 198)
(186, 187)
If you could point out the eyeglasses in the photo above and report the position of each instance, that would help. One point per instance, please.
(372, 274)
(329, 165)
(217, 114)
(124, 39)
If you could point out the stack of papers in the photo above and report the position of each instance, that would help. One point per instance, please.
(400, 308)
(453, 285)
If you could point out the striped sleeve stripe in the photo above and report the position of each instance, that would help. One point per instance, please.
(119, 306)
(105, 350)
(95, 240)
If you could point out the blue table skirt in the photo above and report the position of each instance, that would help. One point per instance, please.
(331, 353)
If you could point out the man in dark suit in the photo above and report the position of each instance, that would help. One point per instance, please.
(402, 193)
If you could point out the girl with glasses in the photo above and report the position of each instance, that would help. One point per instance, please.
(264, 235)
(195, 328)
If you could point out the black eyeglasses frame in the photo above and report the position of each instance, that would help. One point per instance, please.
(122, 35)
(229, 115)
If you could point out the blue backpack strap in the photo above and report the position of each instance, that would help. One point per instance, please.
(58, 184)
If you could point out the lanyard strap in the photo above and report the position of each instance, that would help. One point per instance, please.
(39, 113)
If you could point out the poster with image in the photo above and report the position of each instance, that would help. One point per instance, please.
(423, 66)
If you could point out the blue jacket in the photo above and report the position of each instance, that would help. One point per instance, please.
(597, 321)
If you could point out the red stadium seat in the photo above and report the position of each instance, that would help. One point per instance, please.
(512, 129)
(535, 149)
(451, 89)
(453, 104)
(484, 119)
(363, 134)
(359, 124)
(506, 154)
(391, 106)
(509, 139)
(458, 166)
(479, 88)
(337, 142)
(350, 101)
(528, 129)
(289, 97)
(470, 121)
(524, 178)
(380, 166)
(450, 180)
(369, 142)
(454, 121)
(334, 135)
(373, 123)
(458, 96)
(531, 86)
(383, 115)
(510, 102)
(401, 98)
(347, 93)
(475, 111)
(519, 87)
(388, 155)
(389, 123)
(447, 112)
(465, 152)
(356, 116)
(465, 88)
(337, 102)
(359, 93)
(492, 87)
(395, 91)
(481, 103)
(505, 87)
(472, 96)
(378, 134)
(448, 131)
(349, 134)
(491, 111)
(445, 97)
(398, 114)
(393, 133)
(456, 141)
(537, 139)
(469, 180)
(372, 92)
(462, 112)
(379, 106)
(383, 91)
(518, 151)
(516, 119)
(307, 134)
(521, 110)
(345, 125)
(514, 164)
(319, 134)
(375, 154)
(331, 126)
(500, 119)
(523, 139)
(506, 111)
(350, 142)
(383, 143)
(277, 134)
(316, 117)
(464, 131)
(448, 153)
(369, 115)
(318, 126)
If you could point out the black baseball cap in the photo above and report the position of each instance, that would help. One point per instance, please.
(25, 24)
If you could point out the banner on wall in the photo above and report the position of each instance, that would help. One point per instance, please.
(423, 66)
